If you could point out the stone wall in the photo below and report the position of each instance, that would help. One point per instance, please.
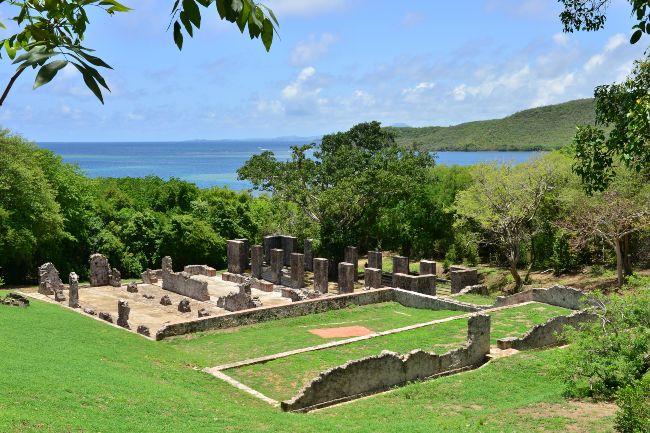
(48, 279)
(557, 295)
(183, 284)
(312, 306)
(462, 277)
(200, 270)
(100, 270)
(389, 369)
(546, 334)
(425, 284)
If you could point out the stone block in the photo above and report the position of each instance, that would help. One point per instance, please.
(73, 292)
(186, 285)
(271, 242)
(237, 262)
(372, 278)
(100, 270)
(123, 311)
(400, 266)
(184, 306)
(346, 277)
(115, 278)
(321, 272)
(292, 294)
(375, 260)
(144, 330)
(48, 279)
(427, 267)
(203, 312)
(59, 296)
(289, 245)
(132, 287)
(351, 255)
(462, 277)
(257, 257)
(204, 270)
(105, 316)
(297, 270)
(166, 265)
(277, 262)
(165, 300)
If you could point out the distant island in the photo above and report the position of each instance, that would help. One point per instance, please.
(542, 128)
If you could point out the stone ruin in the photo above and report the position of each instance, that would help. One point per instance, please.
(106, 316)
(15, 300)
(239, 300)
(151, 276)
(123, 311)
(165, 300)
(166, 265)
(101, 273)
(132, 287)
(144, 330)
(184, 306)
(462, 277)
(48, 279)
(186, 285)
(73, 292)
(200, 270)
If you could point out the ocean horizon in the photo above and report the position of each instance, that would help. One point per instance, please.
(210, 163)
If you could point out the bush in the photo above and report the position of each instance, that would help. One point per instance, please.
(606, 356)
(634, 408)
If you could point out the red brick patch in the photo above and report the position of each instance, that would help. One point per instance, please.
(345, 331)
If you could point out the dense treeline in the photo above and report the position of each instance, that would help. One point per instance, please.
(358, 187)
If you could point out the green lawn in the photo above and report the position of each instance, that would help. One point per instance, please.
(212, 348)
(64, 372)
(477, 299)
(282, 378)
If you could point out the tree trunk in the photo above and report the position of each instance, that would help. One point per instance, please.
(619, 262)
(532, 262)
(515, 275)
(627, 265)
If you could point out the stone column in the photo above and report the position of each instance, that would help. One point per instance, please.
(257, 255)
(346, 278)
(321, 272)
(166, 265)
(400, 266)
(236, 264)
(462, 277)
(352, 256)
(427, 267)
(73, 294)
(100, 270)
(309, 255)
(123, 311)
(372, 278)
(289, 247)
(277, 261)
(269, 243)
(245, 253)
(375, 260)
(297, 270)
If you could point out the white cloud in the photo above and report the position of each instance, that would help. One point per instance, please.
(304, 8)
(615, 41)
(561, 39)
(311, 50)
(414, 94)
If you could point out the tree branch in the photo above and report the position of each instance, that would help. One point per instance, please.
(10, 84)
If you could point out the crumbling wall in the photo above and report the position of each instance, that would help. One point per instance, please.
(48, 279)
(560, 296)
(200, 270)
(378, 373)
(462, 277)
(419, 300)
(546, 334)
(183, 284)
(100, 270)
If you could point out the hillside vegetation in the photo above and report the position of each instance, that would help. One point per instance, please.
(542, 128)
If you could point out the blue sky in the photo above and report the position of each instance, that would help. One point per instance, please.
(337, 63)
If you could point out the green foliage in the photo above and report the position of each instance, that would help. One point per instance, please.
(634, 404)
(606, 356)
(541, 128)
(590, 15)
(624, 110)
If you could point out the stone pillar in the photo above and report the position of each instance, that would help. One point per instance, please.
(245, 253)
(309, 255)
(100, 270)
(166, 265)
(427, 267)
(400, 266)
(346, 278)
(123, 311)
(236, 253)
(297, 270)
(277, 261)
(352, 256)
(257, 255)
(115, 278)
(372, 278)
(375, 260)
(462, 277)
(270, 242)
(73, 294)
(289, 247)
(321, 272)
(48, 279)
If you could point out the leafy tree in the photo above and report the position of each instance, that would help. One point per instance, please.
(50, 34)
(611, 216)
(634, 404)
(504, 200)
(590, 15)
(621, 132)
(192, 241)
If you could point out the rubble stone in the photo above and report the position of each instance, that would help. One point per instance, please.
(184, 306)
(132, 287)
(144, 330)
(165, 300)
(123, 311)
(48, 279)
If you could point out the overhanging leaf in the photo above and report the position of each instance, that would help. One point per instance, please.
(47, 72)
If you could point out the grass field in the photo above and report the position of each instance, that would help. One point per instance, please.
(212, 348)
(64, 372)
(477, 299)
(282, 378)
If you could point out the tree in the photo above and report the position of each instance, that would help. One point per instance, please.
(590, 15)
(504, 200)
(621, 134)
(51, 34)
(611, 216)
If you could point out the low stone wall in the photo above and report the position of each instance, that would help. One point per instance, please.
(422, 301)
(559, 296)
(200, 270)
(262, 314)
(378, 373)
(183, 284)
(546, 334)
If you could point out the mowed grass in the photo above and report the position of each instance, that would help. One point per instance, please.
(212, 348)
(477, 299)
(64, 372)
(282, 378)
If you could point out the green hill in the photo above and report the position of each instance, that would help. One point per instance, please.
(542, 128)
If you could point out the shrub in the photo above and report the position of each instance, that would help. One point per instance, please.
(634, 407)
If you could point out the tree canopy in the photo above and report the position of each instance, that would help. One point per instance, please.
(51, 33)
